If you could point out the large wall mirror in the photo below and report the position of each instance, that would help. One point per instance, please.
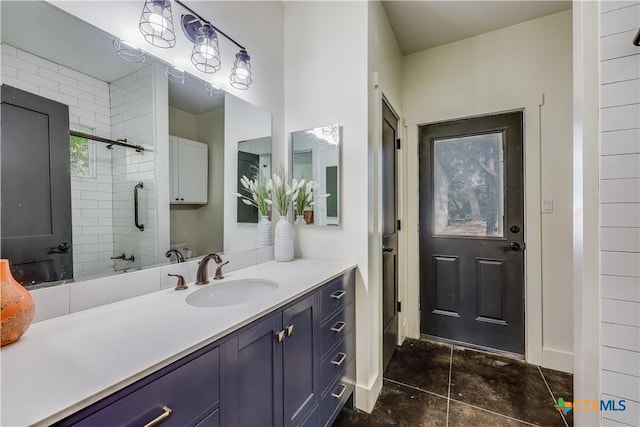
(315, 155)
(74, 207)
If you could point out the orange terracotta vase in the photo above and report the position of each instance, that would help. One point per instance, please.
(17, 307)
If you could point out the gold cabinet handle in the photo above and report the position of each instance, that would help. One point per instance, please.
(280, 336)
(338, 294)
(166, 413)
(338, 327)
(340, 360)
(289, 330)
(339, 394)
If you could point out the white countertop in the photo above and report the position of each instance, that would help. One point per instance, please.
(67, 363)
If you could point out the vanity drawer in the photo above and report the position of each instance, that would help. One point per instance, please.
(189, 391)
(336, 396)
(337, 327)
(337, 294)
(336, 361)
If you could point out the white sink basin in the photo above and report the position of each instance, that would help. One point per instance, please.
(233, 292)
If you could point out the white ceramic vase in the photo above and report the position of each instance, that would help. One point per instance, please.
(300, 220)
(263, 232)
(283, 241)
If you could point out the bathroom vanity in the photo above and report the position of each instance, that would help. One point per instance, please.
(285, 357)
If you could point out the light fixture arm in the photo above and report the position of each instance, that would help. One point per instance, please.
(197, 15)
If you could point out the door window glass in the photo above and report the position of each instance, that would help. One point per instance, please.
(468, 186)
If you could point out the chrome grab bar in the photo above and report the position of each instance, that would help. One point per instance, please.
(135, 205)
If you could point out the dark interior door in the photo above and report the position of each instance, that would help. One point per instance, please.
(471, 231)
(36, 187)
(248, 163)
(389, 234)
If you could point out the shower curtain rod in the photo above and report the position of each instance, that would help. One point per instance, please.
(120, 142)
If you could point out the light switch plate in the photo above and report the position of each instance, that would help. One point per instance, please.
(547, 206)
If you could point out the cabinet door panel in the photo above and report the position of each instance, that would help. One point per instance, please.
(174, 177)
(192, 165)
(301, 367)
(253, 368)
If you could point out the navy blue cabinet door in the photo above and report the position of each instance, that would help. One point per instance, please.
(301, 360)
(252, 376)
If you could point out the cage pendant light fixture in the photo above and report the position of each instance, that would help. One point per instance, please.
(156, 23)
(241, 73)
(206, 53)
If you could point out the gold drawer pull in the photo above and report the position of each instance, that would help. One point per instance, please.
(166, 413)
(339, 395)
(341, 360)
(289, 330)
(338, 294)
(280, 335)
(338, 327)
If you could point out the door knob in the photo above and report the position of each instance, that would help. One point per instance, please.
(513, 246)
(62, 247)
(386, 250)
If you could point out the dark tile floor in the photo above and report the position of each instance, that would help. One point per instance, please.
(431, 384)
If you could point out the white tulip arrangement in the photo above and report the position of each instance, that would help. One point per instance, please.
(279, 193)
(283, 193)
(259, 189)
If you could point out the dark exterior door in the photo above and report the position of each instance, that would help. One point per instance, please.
(471, 231)
(301, 367)
(389, 234)
(36, 187)
(248, 163)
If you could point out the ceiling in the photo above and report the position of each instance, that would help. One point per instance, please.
(420, 25)
(51, 33)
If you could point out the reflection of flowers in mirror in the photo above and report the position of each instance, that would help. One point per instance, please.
(259, 190)
(305, 196)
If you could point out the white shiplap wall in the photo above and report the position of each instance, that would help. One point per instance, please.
(620, 209)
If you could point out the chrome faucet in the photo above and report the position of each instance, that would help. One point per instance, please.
(177, 253)
(201, 275)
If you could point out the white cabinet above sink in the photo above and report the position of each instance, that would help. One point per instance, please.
(188, 171)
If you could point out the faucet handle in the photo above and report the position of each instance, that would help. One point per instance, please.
(180, 286)
(219, 275)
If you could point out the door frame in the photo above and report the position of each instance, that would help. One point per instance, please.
(530, 106)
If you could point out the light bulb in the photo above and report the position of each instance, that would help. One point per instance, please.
(207, 51)
(242, 73)
(158, 22)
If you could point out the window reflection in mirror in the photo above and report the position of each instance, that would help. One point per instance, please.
(315, 156)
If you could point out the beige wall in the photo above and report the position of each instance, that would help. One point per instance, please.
(484, 74)
(201, 226)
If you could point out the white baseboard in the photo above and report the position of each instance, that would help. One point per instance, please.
(365, 397)
(558, 360)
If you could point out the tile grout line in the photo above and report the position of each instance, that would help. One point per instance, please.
(415, 388)
(449, 388)
(493, 412)
(552, 396)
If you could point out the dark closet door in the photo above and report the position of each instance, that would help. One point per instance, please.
(389, 233)
(36, 187)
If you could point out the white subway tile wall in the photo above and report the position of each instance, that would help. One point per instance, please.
(620, 209)
(131, 116)
(88, 101)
